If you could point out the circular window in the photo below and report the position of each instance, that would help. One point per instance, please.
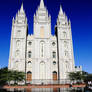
(29, 62)
(54, 62)
(53, 43)
(30, 43)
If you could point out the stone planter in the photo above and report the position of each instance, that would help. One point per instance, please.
(79, 85)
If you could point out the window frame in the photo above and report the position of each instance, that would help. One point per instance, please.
(29, 54)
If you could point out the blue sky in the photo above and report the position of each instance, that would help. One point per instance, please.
(78, 11)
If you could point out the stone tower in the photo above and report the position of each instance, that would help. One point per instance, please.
(42, 22)
(18, 42)
(40, 59)
(65, 46)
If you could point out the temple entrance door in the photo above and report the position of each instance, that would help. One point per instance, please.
(29, 76)
(54, 75)
(54, 79)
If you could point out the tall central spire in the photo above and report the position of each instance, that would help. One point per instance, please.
(22, 10)
(61, 11)
(41, 4)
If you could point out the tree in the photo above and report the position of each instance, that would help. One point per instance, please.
(72, 76)
(84, 75)
(78, 76)
(3, 75)
(18, 76)
(88, 78)
(6, 76)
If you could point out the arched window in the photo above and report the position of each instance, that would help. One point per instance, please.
(18, 42)
(42, 44)
(19, 32)
(17, 52)
(66, 53)
(29, 64)
(53, 43)
(29, 54)
(29, 43)
(54, 54)
(67, 66)
(64, 34)
(65, 43)
(16, 65)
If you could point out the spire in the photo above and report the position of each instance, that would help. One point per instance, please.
(41, 4)
(69, 22)
(22, 10)
(61, 10)
(13, 20)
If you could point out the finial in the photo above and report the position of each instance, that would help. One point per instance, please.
(61, 10)
(13, 20)
(22, 10)
(69, 23)
(34, 15)
(41, 4)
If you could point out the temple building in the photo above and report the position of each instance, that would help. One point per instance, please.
(41, 55)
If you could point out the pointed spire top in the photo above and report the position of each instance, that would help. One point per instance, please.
(41, 4)
(61, 10)
(22, 10)
(13, 20)
(69, 21)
